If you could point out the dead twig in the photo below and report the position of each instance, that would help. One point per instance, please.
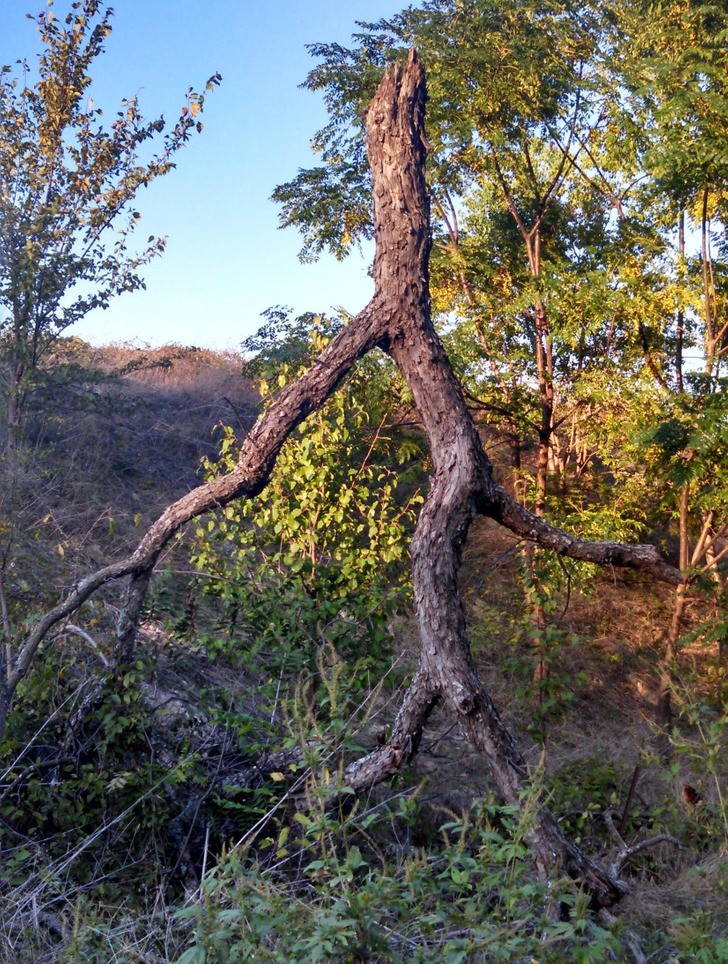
(71, 630)
(626, 851)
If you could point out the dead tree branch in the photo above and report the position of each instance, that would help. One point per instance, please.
(625, 851)
(398, 321)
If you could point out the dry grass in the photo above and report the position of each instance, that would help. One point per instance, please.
(687, 912)
(138, 445)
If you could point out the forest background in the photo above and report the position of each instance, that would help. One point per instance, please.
(576, 172)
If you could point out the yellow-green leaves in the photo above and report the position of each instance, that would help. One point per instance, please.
(68, 186)
(321, 555)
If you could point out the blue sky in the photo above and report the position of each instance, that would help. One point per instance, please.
(226, 259)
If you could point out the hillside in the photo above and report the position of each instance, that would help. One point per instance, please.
(236, 706)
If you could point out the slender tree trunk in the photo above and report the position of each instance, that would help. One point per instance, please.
(6, 648)
(545, 373)
(680, 334)
(703, 554)
(708, 287)
(663, 713)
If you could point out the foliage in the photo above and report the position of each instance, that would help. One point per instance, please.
(536, 656)
(681, 77)
(462, 899)
(568, 299)
(318, 557)
(699, 747)
(68, 183)
(284, 342)
(44, 792)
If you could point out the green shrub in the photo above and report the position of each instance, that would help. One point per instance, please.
(331, 896)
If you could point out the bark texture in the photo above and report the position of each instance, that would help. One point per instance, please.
(398, 321)
(461, 484)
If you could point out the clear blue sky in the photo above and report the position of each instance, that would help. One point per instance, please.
(226, 259)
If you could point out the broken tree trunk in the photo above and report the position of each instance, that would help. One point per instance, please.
(398, 321)
(461, 483)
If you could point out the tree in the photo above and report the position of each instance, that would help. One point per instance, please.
(526, 248)
(514, 102)
(673, 71)
(566, 146)
(397, 320)
(68, 183)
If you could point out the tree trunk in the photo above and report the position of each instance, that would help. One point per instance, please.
(710, 340)
(680, 321)
(545, 372)
(461, 483)
(704, 555)
(398, 321)
(15, 405)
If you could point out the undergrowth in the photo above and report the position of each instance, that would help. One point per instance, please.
(197, 814)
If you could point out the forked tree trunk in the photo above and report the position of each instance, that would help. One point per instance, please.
(398, 321)
(461, 483)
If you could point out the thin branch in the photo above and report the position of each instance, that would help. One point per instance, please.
(71, 630)
(509, 199)
(714, 561)
(626, 851)
(566, 154)
(498, 409)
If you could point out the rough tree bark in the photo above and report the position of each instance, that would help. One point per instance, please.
(461, 484)
(398, 321)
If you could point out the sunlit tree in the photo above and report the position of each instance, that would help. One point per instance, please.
(68, 184)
